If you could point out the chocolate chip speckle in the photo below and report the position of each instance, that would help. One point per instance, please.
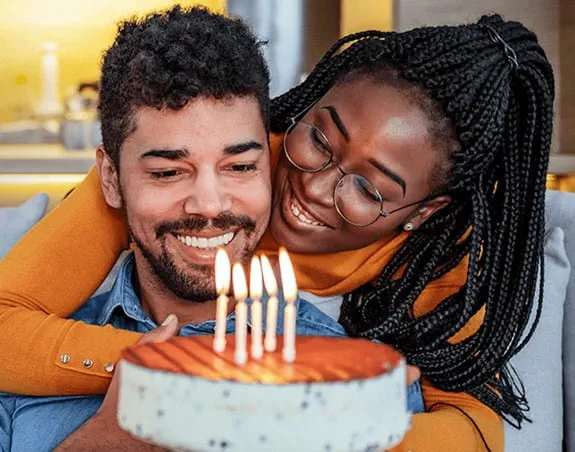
(160, 413)
(141, 392)
(226, 394)
(212, 443)
(304, 405)
(263, 438)
(224, 444)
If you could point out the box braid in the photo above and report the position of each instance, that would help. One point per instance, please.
(493, 82)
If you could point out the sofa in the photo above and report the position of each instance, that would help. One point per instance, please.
(547, 363)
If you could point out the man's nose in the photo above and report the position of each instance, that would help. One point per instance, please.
(209, 197)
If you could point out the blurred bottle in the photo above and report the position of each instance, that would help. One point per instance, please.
(50, 105)
(80, 126)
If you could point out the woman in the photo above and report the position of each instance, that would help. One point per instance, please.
(412, 177)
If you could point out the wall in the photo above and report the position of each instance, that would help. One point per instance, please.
(566, 104)
(82, 29)
(358, 15)
(321, 30)
(542, 16)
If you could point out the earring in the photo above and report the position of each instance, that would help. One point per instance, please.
(408, 227)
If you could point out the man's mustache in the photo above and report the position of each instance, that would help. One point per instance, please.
(223, 221)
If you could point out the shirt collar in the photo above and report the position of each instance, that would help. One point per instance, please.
(123, 296)
(123, 301)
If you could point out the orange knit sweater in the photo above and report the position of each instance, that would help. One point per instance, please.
(62, 260)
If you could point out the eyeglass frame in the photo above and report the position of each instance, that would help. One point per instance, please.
(329, 162)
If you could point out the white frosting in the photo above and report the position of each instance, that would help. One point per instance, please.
(183, 412)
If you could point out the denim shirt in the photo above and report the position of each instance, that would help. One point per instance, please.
(41, 423)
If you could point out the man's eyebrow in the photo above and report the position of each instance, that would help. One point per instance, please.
(337, 121)
(393, 176)
(169, 154)
(243, 147)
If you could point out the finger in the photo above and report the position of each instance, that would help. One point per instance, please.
(166, 330)
(413, 374)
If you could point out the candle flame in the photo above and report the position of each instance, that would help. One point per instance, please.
(222, 272)
(269, 278)
(288, 276)
(256, 288)
(240, 285)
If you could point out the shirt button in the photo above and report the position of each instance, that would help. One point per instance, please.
(88, 363)
(65, 358)
(109, 367)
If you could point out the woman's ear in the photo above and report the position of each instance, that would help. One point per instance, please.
(425, 212)
(109, 178)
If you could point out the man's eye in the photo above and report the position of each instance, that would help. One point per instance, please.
(165, 174)
(243, 167)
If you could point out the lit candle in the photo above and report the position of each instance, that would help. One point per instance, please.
(290, 294)
(256, 307)
(222, 288)
(240, 294)
(272, 305)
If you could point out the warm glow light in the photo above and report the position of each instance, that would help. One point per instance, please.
(240, 285)
(41, 178)
(269, 278)
(222, 272)
(288, 276)
(256, 288)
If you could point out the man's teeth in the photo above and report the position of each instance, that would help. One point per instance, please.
(301, 217)
(204, 243)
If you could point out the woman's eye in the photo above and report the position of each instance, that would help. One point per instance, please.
(165, 174)
(319, 141)
(367, 189)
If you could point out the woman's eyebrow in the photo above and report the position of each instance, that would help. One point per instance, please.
(389, 173)
(337, 120)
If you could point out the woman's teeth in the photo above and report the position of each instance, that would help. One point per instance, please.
(204, 243)
(297, 212)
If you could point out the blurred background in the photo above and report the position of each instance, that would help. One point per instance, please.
(52, 51)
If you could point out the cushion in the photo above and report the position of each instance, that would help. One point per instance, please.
(561, 212)
(16, 221)
(539, 364)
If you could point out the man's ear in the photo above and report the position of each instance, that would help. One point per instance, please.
(109, 178)
(426, 211)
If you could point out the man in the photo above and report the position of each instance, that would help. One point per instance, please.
(184, 110)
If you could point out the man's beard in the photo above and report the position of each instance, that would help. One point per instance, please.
(199, 286)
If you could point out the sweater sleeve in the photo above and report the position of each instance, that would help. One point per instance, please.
(447, 425)
(49, 274)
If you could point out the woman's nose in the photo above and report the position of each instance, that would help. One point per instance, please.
(319, 187)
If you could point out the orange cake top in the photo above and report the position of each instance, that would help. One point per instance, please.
(319, 359)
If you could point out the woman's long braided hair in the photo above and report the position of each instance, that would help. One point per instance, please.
(495, 84)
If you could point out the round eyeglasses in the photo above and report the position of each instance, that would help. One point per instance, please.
(356, 198)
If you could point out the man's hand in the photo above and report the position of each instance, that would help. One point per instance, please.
(413, 374)
(101, 431)
(109, 406)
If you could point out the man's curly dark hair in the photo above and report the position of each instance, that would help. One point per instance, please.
(168, 58)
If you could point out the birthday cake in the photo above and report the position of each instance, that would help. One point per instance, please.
(338, 395)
